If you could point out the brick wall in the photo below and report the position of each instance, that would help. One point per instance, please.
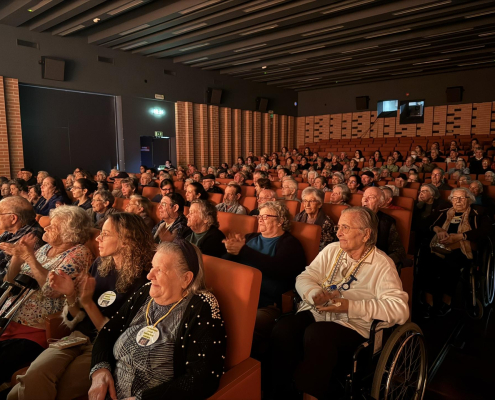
(461, 119)
(11, 152)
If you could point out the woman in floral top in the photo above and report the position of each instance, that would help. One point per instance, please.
(25, 337)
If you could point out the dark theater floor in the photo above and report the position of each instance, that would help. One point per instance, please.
(468, 369)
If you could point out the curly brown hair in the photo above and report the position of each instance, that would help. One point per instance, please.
(136, 247)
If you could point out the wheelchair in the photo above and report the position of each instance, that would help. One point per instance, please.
(476, 288)
(391, 364)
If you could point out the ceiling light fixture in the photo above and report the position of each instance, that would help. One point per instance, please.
(382, 62)
(449, 33)
(132, 46)
(387, 33)
(292, 62)
(431, 62)
(263, 5)
(322, 31)
(462, 49)
(96, 20)
(410, 47)
(39, 5)
(308, 79)
(246, 62)
(364, 72)
(258, 30)
(307, 49)
(189, 28)
(332, 10)
(250, 48)
(480, 14)
(363, 48)
(199, 6)
(474, 63)
(196, 60)
(69, 31)
(486, 34)
(278, 70)
(422, 8)
(195, 47)
(125, 7)
(137, 28)
(407, 72)
(335, 60)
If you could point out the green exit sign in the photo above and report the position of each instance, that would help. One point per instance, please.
(158, 134)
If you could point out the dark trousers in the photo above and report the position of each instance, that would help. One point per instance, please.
(16, 354)
(265, 321)
(305, 354)
(439, 276)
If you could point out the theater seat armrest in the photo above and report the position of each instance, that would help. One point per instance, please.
(242, 381)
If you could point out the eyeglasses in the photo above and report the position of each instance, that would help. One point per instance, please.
(163, 204)
(458, 198)
(264, 217)
(309, 201)
(345, 229)
(76, 187)
(104, 235)
(96, 201)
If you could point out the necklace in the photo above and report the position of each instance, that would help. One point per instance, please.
(336, 266)
(150, 333)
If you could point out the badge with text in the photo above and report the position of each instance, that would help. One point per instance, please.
(147, 336)
(107, 299)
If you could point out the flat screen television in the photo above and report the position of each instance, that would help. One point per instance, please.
(387, 108)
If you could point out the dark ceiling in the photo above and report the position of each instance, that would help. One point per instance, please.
(300, 45)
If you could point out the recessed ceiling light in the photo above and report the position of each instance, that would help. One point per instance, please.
(263, 5)
(433, 61)
(410, 47)
(96, 20)
(263, 67)
(335, 60)
(196, 60)
(124, 7)
(364, 72)
(322, 31)
(199, 6)
(307, 49)
(292, 62)
(386, 33)
(480, 14)
(382, 62)
(486, 34)
(250, 48)
(448, 33)
(422, 8)
(189, 28)
(132, 46)
(264, 28)
(308, 79)
(246, 62)
(363, 48)
(360, 3)
(407, 72)
(195, 47)
(474, 63)
(462, 49)
(137, 28)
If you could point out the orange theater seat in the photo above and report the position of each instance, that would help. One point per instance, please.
(334, 211)
(237, 289)
(355, 200)
(409, 192)
(309, 236)
(92, 243)
(249, 203)
(444, 194)
(248, 191)
(237, 223)
(294, 207)
(44, 221)
(155, 216)
(403, 219)
(404, 202)
(120, 204)
(215, 198)
(179, 185)
(150, 192)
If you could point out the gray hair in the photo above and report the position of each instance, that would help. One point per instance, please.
(20, 207)
(394, 189)
(75, 224)
(311, 173)
(468, 178)
(346, 193)
(102, 172)
(207, 211)
(197, 285)
(292, 183)
(106, 195)
(44, 174)
(313, 191)
(433, 190)
(467, 192)
(479, 184)
(142, 202)
(281, 211)
(339, 175)
(387, 192)
(490, 173)
(367, 219)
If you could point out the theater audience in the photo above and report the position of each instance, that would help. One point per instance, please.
(425, 165)
(289, 190)
(203, 222)
(320, 350)
(455, 228)
(354, 184)
(173, 222)
(401, 181)
(5, 191)
(117, 184)
(340, 194)
(177, 369)
(102, 207)
(34, 195)
(129, 187)
(194, 191)
(25, 337)
(209, 184)
(147, 180)
(408, 166)
(257, 175)
(435, 156)
(264, 196)
(388, 238)
(460, 166)
(397, 156)
(388, 193)
(82, 191)
(337, 178)
(28, 177)
(141, 206)
(437, 179)
(312, 175)
(231, 200)
(475, 162)
(41, 177)
(166, 187)
(261, 184)
(239, 178)
(53, 195)
(312, 201)
(390, 165)
(429, 202)
(18, 187)
(336, 166)
(320, 183)
(453, 157)
(481, 199)
(101, 176)
(69, 182)
(114, 277)
(367, 180)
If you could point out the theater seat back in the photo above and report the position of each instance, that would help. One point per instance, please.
(215, 198)
(44, 221)
(309, 236)
(237, 289)
(249, 203)
(294, 207)
(355, 200)
(334, 211)
(237, 223)
(155, 216)
(92, 243)
(150, 192)
(403, 219)
(409, 192)
(404, 202)
(248, 191)
(120, 204)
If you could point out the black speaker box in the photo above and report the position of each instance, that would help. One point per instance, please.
(261, 104)
(362, 102)
(214, 96)
(454, 94)
(52, 69)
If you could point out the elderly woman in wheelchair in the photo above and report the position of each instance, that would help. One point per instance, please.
(348, 285)
(457, 231)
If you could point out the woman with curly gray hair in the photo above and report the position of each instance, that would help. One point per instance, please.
(278, 255)
(64, 253)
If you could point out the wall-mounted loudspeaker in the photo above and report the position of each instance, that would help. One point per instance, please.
(261, 104)
(362, 102)
(214, 96)
(52, 69)
(454, 94)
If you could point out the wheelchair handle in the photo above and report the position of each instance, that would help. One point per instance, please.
(26, 281)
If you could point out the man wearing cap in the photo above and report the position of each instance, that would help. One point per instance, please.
(27, 175)
(401, 181)
(117, 184)
(367, 179)
(209, 184)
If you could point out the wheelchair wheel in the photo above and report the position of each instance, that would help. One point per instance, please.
(487, 276)
(402, 368)
(476, 311)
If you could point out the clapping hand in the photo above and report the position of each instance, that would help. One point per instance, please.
(23, 249)
(234, 243)
(87, 286)
(166, 235)
(61, 282)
